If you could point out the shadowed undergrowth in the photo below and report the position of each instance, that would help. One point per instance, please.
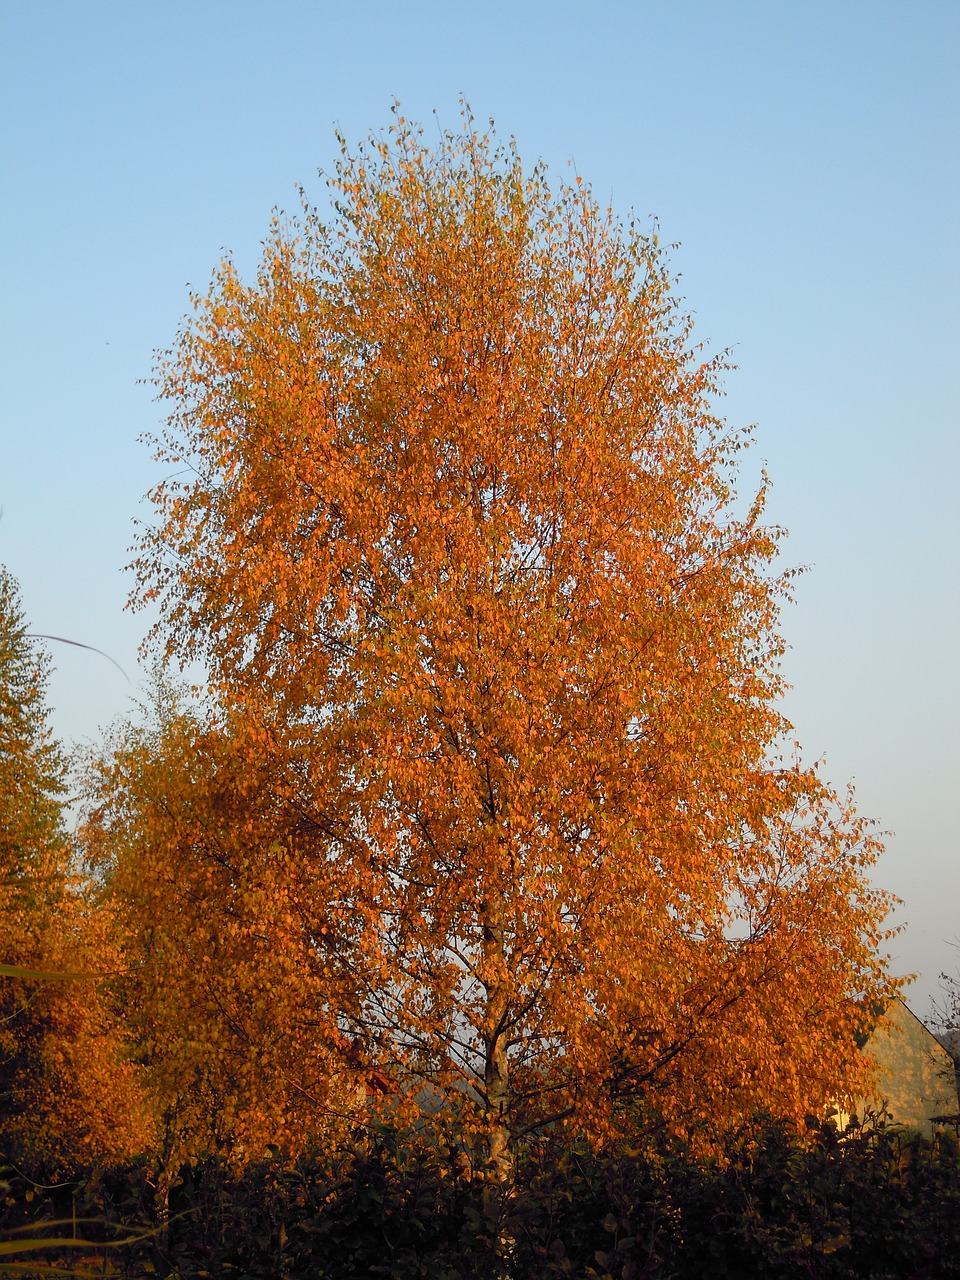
(884, 1204)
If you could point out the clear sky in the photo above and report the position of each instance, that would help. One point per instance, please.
(805, 156)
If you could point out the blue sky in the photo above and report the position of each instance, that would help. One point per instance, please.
(805, 156)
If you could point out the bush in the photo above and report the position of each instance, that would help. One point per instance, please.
(881, 1204)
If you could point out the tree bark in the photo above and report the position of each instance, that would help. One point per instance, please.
(496, 1074)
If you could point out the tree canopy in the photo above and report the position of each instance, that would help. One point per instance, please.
(453, 525)
(61, 1051)
(32, 767)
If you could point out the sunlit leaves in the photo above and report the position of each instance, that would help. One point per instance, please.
(458, 536)
(67, 1093)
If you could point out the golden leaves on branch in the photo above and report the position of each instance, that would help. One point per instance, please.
(497, 648)
(68, 1093)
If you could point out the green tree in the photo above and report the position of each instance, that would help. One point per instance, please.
(32, 767)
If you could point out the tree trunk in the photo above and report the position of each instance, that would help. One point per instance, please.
(496, 1072)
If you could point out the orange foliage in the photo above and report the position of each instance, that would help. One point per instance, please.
(68, 1093)
(452, 524)
(210, 875)
(72, 1096)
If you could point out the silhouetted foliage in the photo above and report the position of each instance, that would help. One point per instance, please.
(881, 1204)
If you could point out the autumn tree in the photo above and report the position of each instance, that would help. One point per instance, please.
(453, 525)
(68, 1093)
(206, 863)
